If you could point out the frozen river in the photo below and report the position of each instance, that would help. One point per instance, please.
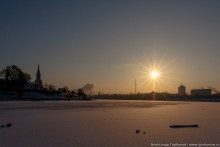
(110, 123)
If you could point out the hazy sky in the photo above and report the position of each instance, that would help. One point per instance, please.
(110, 43)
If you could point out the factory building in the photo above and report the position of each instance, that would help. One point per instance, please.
(201, 92)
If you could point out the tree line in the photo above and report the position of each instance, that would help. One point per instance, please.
(13, 78)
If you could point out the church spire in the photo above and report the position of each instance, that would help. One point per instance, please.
(38, 80)
(38, 72)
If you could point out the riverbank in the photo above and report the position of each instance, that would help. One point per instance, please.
(36, 96)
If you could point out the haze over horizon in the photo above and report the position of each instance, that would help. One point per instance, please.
(112, 43)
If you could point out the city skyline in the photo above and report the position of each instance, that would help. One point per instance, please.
(112, 43)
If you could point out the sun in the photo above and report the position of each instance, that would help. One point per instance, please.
(154, 74)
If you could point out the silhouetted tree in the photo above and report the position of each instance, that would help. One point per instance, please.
(80, 92)
(66, 89)
(73, 92)
(51, 88)
(15, 78)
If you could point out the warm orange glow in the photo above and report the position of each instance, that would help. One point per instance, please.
(154, 75)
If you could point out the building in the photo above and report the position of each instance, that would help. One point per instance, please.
(201, 92)
(38, 80)
(181, 90)
(37, 84)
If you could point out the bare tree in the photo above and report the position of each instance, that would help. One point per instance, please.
(51, 88)
(15, 78)
(66, 89)
(81, 92)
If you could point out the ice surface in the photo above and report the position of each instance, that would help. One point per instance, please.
(109, 123)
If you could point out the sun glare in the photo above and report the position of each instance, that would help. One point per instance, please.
(154, 74)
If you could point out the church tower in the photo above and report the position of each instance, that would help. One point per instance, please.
(38, 80)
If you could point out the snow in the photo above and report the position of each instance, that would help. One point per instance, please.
(107, 123)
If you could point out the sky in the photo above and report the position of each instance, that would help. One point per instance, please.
(112, 43)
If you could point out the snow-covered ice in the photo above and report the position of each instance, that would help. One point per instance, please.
(110, 123)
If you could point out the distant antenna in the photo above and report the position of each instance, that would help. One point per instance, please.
(135, 85)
